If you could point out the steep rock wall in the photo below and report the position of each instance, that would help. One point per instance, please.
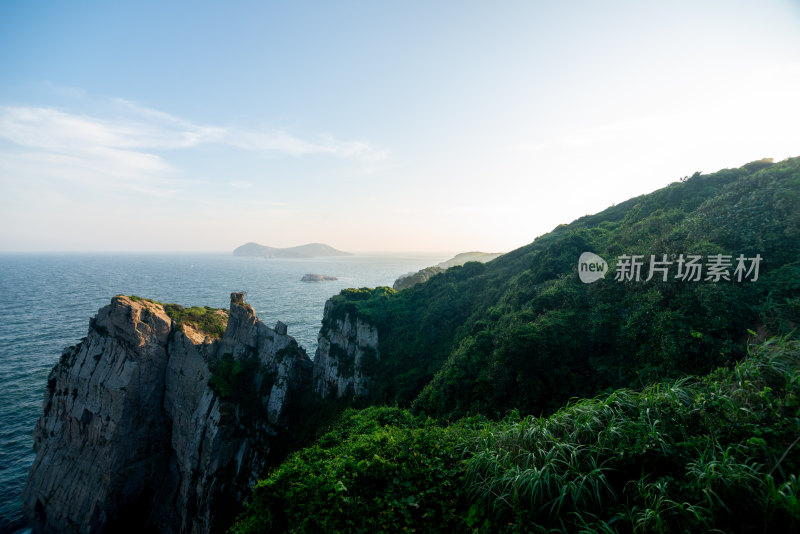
(133, 435)
(347, 348)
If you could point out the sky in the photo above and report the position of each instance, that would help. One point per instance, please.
(373, 126)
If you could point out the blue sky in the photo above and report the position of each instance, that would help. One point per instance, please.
(371, 126)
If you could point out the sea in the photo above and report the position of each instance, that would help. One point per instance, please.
(46, 301)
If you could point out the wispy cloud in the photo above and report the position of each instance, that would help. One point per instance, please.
(58, 131)
(129, 145)
(90, 152)
(267, 140)
(145, 128)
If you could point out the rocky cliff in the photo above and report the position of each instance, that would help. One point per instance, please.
(152, 423)
(347, 351)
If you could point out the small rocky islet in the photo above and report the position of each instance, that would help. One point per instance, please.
(312, 277)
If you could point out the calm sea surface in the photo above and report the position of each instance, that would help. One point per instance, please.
(46, 301)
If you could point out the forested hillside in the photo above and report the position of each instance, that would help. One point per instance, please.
(523, 332)
(692, 416)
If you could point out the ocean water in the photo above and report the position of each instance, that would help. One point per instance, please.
(46, 301)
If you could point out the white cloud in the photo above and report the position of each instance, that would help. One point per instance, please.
(97, 155)
(97, 171)
(126, 147)
(145, 128)
(278, 141)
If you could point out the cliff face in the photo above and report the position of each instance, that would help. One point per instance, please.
(347, 348)
(134, 435)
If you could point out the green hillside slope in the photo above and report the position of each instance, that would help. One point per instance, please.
(690, 418)
(523, 332)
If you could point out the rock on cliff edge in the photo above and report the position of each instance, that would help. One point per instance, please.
(137, 432)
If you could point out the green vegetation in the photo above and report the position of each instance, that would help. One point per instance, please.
(690, 455)
(682, 428)
(423, 275)
(244, 382)
(232, 379)
(134, 298)
(209, 321)
(523, 332)
(203, 319)
(378, 470)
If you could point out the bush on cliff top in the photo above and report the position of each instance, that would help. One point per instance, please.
(204, 319)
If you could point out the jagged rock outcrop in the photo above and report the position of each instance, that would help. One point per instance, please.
(347, 350)
(135, 433)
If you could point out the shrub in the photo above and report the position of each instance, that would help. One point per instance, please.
(696, 454)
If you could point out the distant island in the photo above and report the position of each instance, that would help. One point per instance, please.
(423, 275)
(311, 250)
(310, 277)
